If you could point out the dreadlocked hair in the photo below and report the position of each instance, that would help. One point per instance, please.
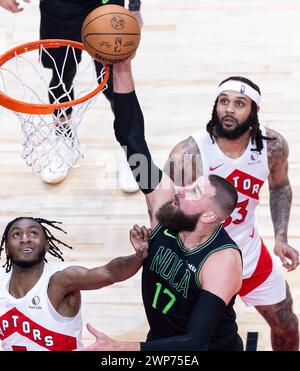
(52, 240)
(255, 131)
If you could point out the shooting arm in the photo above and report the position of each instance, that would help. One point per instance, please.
(129, 129)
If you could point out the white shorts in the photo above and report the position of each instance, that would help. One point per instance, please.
(267, 285)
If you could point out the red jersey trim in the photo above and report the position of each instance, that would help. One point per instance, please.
(261, 273)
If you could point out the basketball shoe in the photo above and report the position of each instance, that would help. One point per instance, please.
(61, 156)
(126, 180)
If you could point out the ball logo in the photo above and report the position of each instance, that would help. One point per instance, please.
(117, 22)
(105, 44)
(118, 45)
(254, 156)
(243, 88)
(35, 300)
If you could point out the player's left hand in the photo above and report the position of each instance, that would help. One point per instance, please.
(139, 239)
(288, 255)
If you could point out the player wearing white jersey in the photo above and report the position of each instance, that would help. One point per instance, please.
(31, 322)
(235, 147)
(40, 305)
(248, 173)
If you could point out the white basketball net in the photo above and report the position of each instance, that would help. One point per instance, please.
(49, 140)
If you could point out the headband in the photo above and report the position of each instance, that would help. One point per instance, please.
(241, 88)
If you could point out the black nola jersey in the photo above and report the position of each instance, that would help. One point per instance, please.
(170, 284)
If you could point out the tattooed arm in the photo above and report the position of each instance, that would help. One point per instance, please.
(281, 199)
(184, 164)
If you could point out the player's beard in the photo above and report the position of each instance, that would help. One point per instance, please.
(28, 263)
(175, 219)
(236, 133)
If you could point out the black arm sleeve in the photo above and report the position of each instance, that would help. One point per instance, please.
(130, 133)
(134, 5)
(206, 315)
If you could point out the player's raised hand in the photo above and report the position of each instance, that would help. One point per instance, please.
(139, 237)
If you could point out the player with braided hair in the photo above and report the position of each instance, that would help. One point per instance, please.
(52, 240)
(39, 304)
(235, 147)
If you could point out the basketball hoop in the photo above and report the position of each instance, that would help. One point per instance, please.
(49, 128)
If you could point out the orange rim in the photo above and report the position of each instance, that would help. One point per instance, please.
(24, 107)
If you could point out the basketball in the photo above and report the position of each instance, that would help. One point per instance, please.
(110, 34)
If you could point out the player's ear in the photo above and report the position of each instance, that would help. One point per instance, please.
(208, 217)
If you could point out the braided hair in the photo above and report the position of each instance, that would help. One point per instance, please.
(52, 240)
(255, 131)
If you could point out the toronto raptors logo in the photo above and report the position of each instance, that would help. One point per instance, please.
(117, 22)
(15, 327)
(246, 184)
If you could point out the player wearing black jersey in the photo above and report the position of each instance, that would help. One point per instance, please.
(193, 270)
(171, 289)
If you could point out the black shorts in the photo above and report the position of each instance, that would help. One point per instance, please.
(63, 19)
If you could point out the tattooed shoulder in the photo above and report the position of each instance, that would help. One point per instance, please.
(188, 146)
(184, 164)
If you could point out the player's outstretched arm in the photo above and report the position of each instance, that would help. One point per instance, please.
(130, 133)
(76, 278)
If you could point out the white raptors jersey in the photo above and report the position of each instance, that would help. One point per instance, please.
(31, 322)
(247, 173)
